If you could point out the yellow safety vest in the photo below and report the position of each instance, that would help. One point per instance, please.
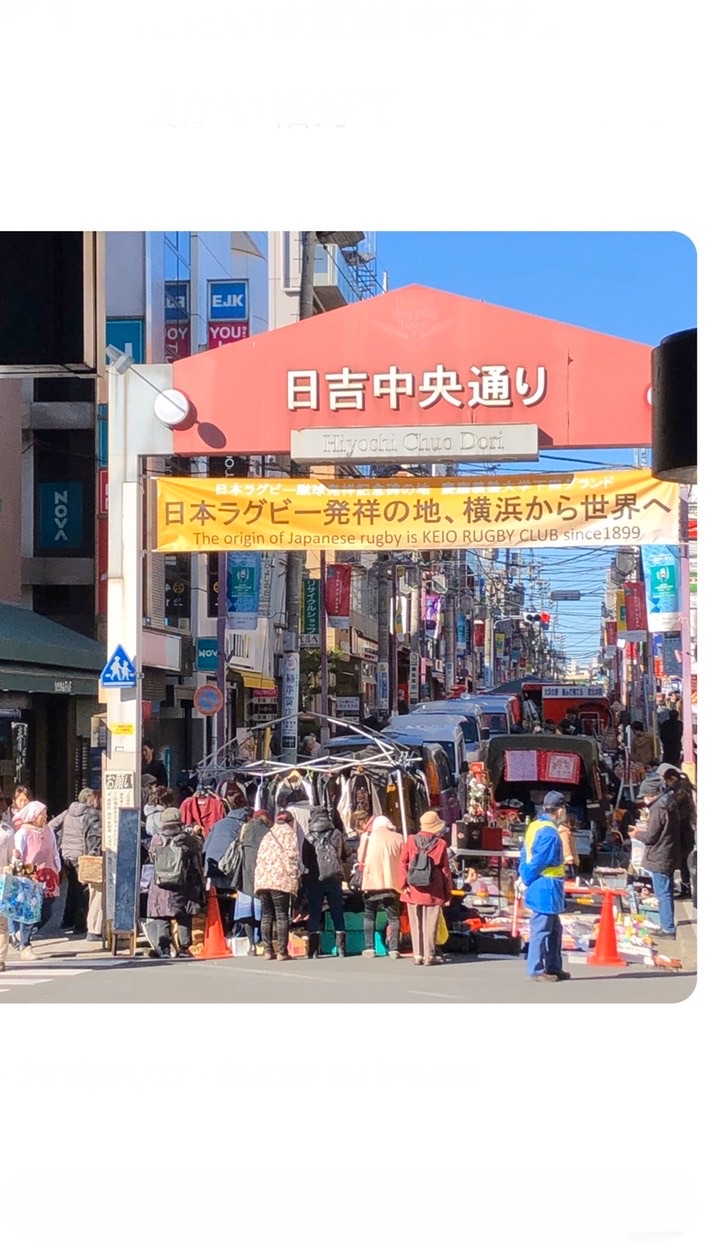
(553, 872)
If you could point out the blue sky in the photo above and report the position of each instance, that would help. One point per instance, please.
(639, 286)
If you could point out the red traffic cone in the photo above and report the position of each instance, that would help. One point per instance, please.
(214, 944)
(606, 954)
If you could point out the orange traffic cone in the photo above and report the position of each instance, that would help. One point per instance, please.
(214, 944)
(606, 954)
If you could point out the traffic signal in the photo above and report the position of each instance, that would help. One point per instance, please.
(545, 621)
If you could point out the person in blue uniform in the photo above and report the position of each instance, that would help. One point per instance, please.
(542, 873)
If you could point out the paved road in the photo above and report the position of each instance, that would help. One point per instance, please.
(488, 979)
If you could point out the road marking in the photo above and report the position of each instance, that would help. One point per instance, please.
(417, 992)
(43, 971)
(16, 983)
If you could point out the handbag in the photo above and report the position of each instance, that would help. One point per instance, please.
(90, 869)
(232, 864)
(355, 881)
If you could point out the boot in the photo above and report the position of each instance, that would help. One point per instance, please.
(340, 938)
(314, 944)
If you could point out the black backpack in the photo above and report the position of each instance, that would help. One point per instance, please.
(326, 855)
(421, 866)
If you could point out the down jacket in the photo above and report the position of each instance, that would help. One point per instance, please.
(78, 831)
(167, 903)
(662, 836)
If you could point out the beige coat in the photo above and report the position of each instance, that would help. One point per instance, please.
(570, 850)
(379, 856)
(278, 861)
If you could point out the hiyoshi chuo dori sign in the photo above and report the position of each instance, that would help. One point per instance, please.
(593, 509)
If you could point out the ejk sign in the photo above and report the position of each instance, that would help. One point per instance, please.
(228, 300)
(228, 311)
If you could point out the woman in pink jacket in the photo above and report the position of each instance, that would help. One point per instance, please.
(424, 903)
(35, 844)
(380, 849)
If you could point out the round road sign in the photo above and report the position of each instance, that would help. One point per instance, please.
(208, 699)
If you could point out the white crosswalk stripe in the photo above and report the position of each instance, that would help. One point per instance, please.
(20, 975)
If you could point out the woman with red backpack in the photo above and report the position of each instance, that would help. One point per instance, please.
(426, 885)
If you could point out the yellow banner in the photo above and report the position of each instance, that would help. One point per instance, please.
(594, 509)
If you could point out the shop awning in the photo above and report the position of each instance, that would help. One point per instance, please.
(39, 655)
(257, 681)
(62, 682)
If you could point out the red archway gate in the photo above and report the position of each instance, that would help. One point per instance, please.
(415, 359)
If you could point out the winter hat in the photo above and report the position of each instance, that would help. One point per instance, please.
(382, 824)
(430, 822)
(31, 812)
(168, 816)
(553, 800)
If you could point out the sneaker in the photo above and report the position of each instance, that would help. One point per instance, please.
(393, 953)
(267, 957)
(666, 935)
(418, 962)
(93, 937)
(369, 953)
(433, 962)
(563, 975)
(283, 957)
(28, 954)
(544, 979)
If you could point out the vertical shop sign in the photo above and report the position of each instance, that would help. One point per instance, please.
(413, 678)
(462, 634)
(177, 319)
(499, 640)
(290, 701)
(672, 654)
(383, 687)
(60, 515)
(337, 595)
(242, 590)
(662, 579)
(635, 603)
(311, 610)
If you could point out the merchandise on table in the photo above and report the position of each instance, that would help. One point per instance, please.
(21, 898)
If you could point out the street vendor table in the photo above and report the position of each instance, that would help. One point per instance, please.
(498, 854)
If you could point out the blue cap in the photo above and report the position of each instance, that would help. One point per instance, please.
(553, 800)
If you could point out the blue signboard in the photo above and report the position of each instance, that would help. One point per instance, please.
(119, 671)
(127, 334)
(206, 653)
(242, 589)
(228, 300)
(176, 300)
(60, 515)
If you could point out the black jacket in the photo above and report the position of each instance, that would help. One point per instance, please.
(662, 837)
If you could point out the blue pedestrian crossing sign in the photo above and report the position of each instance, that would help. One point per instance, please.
(119, 671)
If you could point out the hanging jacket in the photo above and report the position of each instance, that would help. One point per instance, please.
(202, 810)
(541, 867)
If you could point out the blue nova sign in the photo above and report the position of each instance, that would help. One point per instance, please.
(228, 300)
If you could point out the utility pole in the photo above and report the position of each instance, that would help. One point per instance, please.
(323, 623)
(295, 562)
(449, 634)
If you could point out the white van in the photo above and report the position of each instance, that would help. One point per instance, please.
(463, 712)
